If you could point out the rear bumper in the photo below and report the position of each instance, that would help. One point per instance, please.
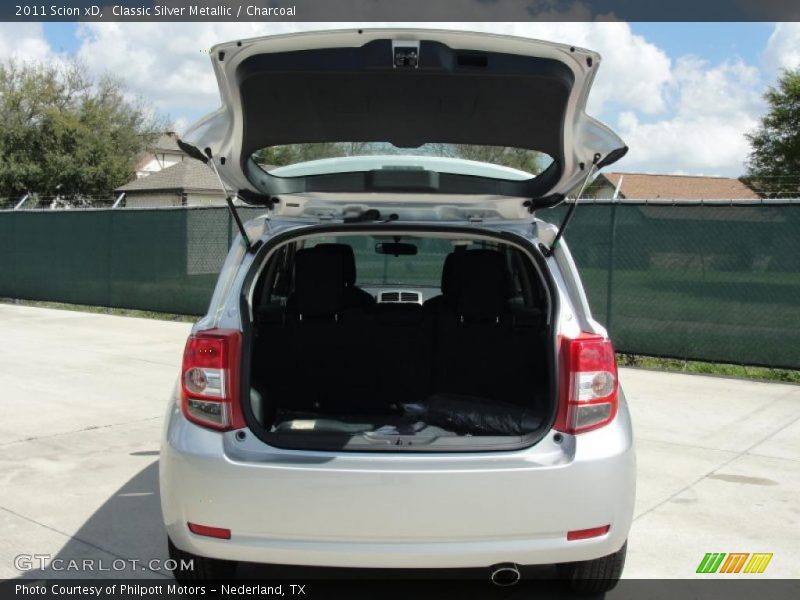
(397, 511)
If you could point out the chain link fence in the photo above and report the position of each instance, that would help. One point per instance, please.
(716, 281)
(35, 201)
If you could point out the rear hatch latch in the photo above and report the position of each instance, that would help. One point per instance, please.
(406, 55)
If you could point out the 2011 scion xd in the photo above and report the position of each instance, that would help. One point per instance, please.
(399, 367)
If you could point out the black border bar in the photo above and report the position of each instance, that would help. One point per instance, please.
(467, 586)
(367, 11)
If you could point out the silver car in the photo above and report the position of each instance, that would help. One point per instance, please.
(399, 367)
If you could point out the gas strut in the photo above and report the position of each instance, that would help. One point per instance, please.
(570, 211)
(195, 152)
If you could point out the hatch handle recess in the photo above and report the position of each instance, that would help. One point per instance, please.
(570, 211)
(405, 54)
(196, 153)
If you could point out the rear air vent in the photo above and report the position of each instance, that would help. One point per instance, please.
(409, 297)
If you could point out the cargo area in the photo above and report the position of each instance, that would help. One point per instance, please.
(400, 342)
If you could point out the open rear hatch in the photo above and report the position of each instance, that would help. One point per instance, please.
(423, 92)
(401, 117)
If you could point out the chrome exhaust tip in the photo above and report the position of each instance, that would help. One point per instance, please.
(505, 574)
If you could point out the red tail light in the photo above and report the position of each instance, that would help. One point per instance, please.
(589, 388)
(210, 379)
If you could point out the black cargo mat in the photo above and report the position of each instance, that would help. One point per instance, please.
(441, 414)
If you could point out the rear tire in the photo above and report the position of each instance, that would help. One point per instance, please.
(594, 576)
(205, 569)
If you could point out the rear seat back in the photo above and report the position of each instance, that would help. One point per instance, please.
(402, 344)
(327, 341)
(479, 350)
(325, 355)
(318, 285)
(482, 286)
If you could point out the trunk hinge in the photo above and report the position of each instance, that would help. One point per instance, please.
(548, 251)
(195, 152)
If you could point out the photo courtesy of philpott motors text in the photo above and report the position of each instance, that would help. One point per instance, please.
(151, 590)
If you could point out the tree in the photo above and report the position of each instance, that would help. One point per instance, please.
(279, 156)
(773, 167)
(62, 131)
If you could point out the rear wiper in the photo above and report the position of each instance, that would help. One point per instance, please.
(548, 251)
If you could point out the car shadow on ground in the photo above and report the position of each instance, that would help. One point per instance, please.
(128, 527)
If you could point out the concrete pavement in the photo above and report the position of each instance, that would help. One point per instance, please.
(84, 395)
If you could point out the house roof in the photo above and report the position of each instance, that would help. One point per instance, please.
(167, 142)
(683, 187)
(185, 176)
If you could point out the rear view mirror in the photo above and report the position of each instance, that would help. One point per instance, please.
(396, 248)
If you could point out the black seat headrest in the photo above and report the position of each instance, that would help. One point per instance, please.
(449, 283)
(483, 282)
(318, 283)
(346, 255)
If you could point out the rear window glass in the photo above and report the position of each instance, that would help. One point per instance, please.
(528, 162)
(374, 269)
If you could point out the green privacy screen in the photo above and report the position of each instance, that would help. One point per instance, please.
(705, 282)
(163, 259)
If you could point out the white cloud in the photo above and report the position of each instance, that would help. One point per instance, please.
(783, 47)
(675, 114)
(23, 42)
(166, 63)
(713, 108)
(180, 124)
(633, 72)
